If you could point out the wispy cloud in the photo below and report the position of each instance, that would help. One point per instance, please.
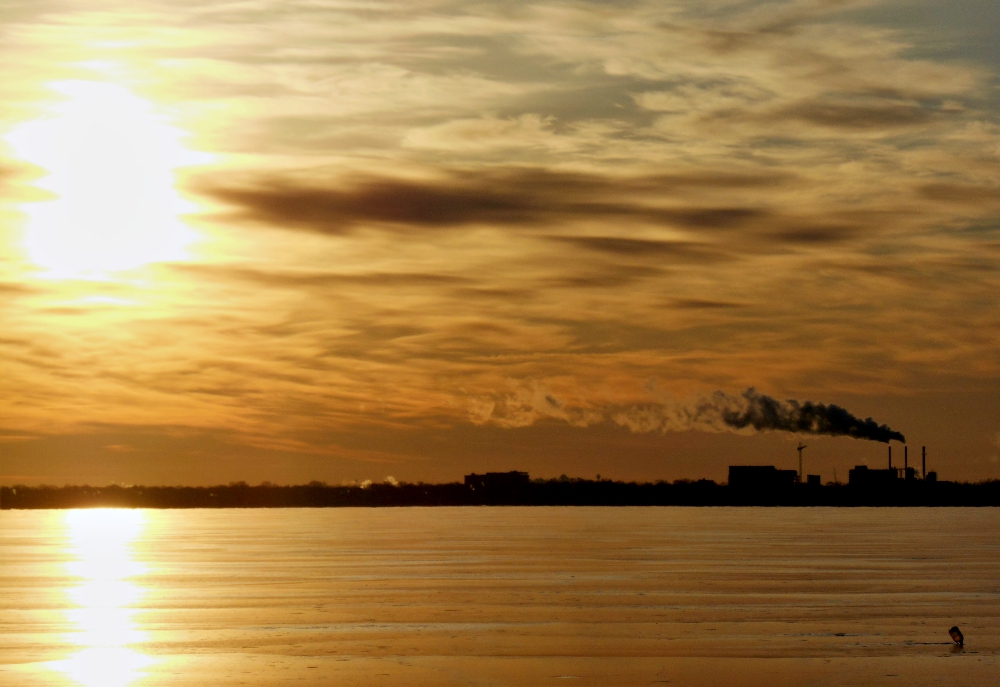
(535, 207)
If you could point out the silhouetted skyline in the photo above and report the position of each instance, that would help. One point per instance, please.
(760, 485)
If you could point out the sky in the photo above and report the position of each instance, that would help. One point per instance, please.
(336, 241)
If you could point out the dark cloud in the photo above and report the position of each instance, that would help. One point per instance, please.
(522, 196)
(688, 250)
(287, 279)
(846, 116)
(815, 235)
(14, 289)
(707, 218)
(700, 304)
(495, 294)
(961, 193)
(780, 20)
(714, 179)
(384, 201)
(610, 276)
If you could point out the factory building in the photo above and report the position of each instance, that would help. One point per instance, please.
(867, 478)
(498, 481)
(761, 478)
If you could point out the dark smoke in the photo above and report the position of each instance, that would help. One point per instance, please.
(763, 412)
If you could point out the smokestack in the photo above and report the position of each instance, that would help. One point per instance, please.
(890, 457)
(906, 458)
(923, 468)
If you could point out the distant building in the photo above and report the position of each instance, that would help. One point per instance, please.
(760, 478)
(865, 477)
(498, 481)
(813, 481)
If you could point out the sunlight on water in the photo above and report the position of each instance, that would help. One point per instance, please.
(109, 162)
(101, 544)
(507, 597)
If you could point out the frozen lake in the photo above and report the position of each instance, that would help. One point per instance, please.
(499, 596)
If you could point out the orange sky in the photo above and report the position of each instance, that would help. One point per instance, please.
(338, 241)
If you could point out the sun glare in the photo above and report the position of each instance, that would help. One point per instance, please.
(109, 163)
(101, 543)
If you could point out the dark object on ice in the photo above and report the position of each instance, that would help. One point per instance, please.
(957, 635)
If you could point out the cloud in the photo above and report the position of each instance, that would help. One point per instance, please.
(498, 197)
(702, 304)
(12, 288)
(817, 235)
(336, 211)
(525, 404)
(688, 250)
(857, 116)
(316, 279)
(488, 134)
(962, 193)
(456, 195)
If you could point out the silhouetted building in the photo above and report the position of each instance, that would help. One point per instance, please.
(498, 481)
(813, 481)
(760, 478)
(865, 477)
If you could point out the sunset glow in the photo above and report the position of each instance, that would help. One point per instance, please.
(108, 163)
(327, 241)
(563, 342)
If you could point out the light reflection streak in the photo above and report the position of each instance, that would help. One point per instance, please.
(101, 547)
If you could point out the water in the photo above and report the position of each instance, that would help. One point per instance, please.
(499, 596)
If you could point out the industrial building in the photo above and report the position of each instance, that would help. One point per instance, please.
(761, 478)
(498, 481)
(865, 477)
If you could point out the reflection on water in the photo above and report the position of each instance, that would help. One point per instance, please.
(102, 561)
(500, 597)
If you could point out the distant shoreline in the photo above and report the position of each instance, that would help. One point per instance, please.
(557, 492)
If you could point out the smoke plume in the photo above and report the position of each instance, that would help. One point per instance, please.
(765, 413)
(715, 412)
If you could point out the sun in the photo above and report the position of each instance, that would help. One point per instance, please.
(109, 166)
